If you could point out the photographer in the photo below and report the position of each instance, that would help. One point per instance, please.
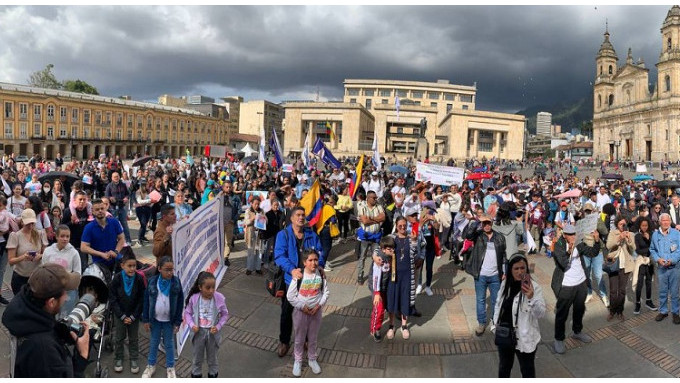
(42, 342)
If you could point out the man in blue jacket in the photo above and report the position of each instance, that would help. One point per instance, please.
(290, 243)
(665, 251)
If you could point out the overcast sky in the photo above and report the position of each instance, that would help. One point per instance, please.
(518, 56)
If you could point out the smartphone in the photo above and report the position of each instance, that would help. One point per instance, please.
(526, 279)
(32, 254)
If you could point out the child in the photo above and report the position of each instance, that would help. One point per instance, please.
(205, 313)
(307, 295)
(549, 239)
(127, 300)
(78, 186)
(65, 255)
(380, 276)
(162, 315)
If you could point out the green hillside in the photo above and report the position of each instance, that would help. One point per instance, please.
(570, 114)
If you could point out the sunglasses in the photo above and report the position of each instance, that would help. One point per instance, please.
(486, 222)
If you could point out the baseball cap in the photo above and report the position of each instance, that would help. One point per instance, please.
(569, 229)
(27, 216)
(563, 204)
(589, 206)
(485, 218)
(411, 211)
(374, 173)
(51, 280)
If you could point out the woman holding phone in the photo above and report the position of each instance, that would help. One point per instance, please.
(519, 306)
(24, 249)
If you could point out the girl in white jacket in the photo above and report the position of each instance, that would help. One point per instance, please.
(520, 303)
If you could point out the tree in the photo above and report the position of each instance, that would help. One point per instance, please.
(44, 78)
(79, 86)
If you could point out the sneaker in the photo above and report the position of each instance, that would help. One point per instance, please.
(676, 319)
(428, 291)
(589, 297)
(137, 245)
(171, 373)
(649, 304)
(149, 371)
(585, 338)
(405, 333)
(558, 345)
(327, 267)
(282, 350)
(660, 316)
(419, 289)
(376, 337)
(605, 300)
(213, 375)
(134, 367)
(314, 365)
(196, 376)
(226, 262)
(480, 329)
(297, 369)
(610, 317)
(259, 272)
(390, 333)
(118, 366)
(637, 308)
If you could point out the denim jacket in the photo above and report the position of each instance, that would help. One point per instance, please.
(176, 301)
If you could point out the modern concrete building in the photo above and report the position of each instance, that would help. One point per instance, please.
(233, 105)
(543, 124)
(257, 114)
(46, 121)
(630, 120)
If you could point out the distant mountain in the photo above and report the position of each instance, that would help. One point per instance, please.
(570, 114)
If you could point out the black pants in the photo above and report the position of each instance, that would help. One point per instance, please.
(617, 291)
(343, 222)
(570, 296)
(155, 209)
(644, 276)
(506, 358)
(17, 282)
(286, 324)
(326, 243)
(143, 214)
(429, 262)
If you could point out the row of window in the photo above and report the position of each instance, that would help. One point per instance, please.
(384, 101)
(414, 94)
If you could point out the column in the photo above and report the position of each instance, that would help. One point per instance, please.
(497, 144)
(473, 152)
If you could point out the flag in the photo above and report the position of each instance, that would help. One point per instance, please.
(326, 156)
(312, 202)
(305, 150)
(330, 131)
(327, 213)
(376, 155)
(396, 103)
(276, 148)
(262, 157)
(356, 179)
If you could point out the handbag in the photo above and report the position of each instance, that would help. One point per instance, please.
(610, 266)
(506, 337)
(274, 282)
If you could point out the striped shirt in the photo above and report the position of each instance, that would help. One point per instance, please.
(370, 212)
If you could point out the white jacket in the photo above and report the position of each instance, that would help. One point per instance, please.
(526, 327)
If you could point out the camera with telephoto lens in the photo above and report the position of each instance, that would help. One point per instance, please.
(78, 314)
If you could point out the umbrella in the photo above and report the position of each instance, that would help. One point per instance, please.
(668, 184)
(612, 176)
(53, 175)
(141, 161)
(478, 176)
(398, 169)
(642, 177)
(249, 159)
(570, 194)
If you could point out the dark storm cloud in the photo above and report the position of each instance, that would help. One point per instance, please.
(518, 56)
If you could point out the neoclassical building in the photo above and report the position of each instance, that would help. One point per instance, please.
(630, 120)
(47, 122)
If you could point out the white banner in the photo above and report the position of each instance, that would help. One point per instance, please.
(641, 168)
(439, 175)
(198, 245)
(218, 151)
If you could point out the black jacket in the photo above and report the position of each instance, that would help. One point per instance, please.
(43, 350)
(473, 266)
(123, 305)
(563, 261)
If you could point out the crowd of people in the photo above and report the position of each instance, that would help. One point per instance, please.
(590, 227)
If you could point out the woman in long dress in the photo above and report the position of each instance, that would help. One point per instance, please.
(400, 286)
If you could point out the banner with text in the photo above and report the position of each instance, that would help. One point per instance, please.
(198, 245)
(439, 175)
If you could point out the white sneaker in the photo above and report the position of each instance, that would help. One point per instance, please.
(327, 267)
(149, 371)
(428, 291)
(314, 365)
(589, 297)
(605, 300)
(419, 289)
(171, 373)
(137, 245)
(297, 369)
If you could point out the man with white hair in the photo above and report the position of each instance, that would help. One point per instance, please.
(665, 252)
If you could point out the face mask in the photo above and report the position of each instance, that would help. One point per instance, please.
(46, 190)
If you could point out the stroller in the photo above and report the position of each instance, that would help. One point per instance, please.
(96, 280)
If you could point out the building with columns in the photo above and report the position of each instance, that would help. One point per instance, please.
(47, 122)
(454, 128)
(630, 120)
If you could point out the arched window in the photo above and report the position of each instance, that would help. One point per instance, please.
(599, 100)
(600, 69)
(668, 44)
(668, 83)
(611, 99)
(627, 96)
(611, 70)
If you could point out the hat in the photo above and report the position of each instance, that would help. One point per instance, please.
(563, 204)
(411, 211)
(617, 191)
(569, 229)
(374, 173)
(51, 280)
(589, 206)
(429, 205)
(27, 216)
(485, 218)
(211, 183)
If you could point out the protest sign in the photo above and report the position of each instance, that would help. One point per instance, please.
(287, 168)
(586, 225)
(198, 245)
(439, 175)
(251, 193)
(641, 168)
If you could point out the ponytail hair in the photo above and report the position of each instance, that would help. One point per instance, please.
(200, 280)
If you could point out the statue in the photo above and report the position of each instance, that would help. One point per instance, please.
(423, 127)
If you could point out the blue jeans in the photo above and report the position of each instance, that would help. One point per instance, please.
(165, 330)
(595, 265)
(668, 280)
(121, 214)
(481, 284)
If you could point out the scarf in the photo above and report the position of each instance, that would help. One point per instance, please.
(128, 282)
(164, 286)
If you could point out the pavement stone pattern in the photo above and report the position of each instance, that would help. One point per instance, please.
(442, 342)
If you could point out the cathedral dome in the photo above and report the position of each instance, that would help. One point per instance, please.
(672, 18)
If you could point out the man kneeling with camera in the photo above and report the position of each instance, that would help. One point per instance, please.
(43, 343)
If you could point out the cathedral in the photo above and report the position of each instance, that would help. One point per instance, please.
(631, 119)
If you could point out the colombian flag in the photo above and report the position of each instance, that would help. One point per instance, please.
(330, 131)
(356, 180)
(312, 202)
